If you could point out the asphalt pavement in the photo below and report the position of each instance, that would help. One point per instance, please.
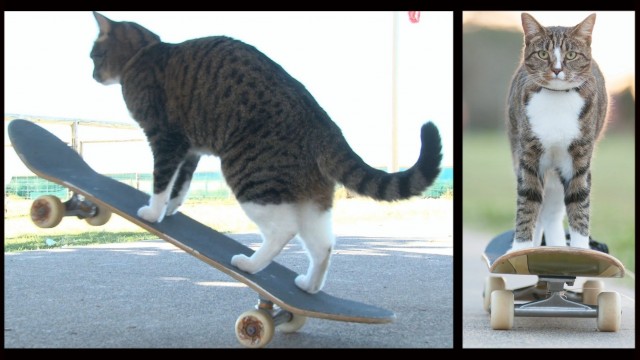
(150, 294)
(535, 332)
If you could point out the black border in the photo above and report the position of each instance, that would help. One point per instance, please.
(458, 8)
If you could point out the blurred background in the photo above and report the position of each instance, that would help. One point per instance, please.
(492, 45)
(365, 68)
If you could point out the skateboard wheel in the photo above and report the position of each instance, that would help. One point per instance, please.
(491, 284)
(101, 218)
(255, 328)
(590, 291)
(47, 211)
(609, 311)
(296, 322)
(502, 310)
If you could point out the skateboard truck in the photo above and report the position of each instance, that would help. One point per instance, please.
(78, 206)
(557, 303)
(47, 211)
(539, 291)
(279, 316)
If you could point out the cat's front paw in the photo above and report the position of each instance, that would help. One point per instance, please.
(243, 262)
(149, 214)
(303, 282)
(173, 207)
(519, 245)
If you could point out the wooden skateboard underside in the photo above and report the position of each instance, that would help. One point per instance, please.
(549, 261)
(50, 158)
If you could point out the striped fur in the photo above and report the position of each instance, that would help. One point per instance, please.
(277, 146)
(557, 107)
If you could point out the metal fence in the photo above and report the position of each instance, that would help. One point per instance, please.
(204, 186)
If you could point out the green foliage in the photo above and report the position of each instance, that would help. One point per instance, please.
(490, 57)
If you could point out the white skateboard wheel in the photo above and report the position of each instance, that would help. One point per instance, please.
(609, 311)
(502, 310)
(47, 211)
(491, 284)
(590, 291)
(296, 322)
(101, 218)
(255, 328)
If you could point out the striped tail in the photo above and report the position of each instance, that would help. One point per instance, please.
(345, 166)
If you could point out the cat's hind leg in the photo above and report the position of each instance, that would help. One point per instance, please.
(278, 226)
(551, 213)
(182, 183)
(318, 239)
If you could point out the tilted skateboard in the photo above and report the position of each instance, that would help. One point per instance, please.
(95, 196)
(555, 266)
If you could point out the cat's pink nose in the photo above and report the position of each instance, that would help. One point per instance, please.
(556, 71)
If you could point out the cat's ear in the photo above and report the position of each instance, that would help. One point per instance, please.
(584, 29)
(531, 27)
(103, 23)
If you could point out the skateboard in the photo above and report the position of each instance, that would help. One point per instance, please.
(554, 266)
(281, 303)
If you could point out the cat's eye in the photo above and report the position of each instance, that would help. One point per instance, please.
(543, 54)
(570, 55)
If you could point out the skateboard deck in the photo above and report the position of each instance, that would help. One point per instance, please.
(549, 260)
(555, 266)
(52, 159)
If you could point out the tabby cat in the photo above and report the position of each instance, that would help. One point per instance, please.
(280, 152)
(556, 112)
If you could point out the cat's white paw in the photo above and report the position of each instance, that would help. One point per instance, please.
(579, 241)
(303, 282)
(149, 214)
(519, 245)
(243, 263)
(173, 207)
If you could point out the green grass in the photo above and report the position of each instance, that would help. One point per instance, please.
(21, 234)
(38, 242)
(417, 217)
(488, 189)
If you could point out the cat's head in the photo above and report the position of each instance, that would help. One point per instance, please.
(557, 57)
(116, 44)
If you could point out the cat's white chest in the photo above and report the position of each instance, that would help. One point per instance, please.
(554, 119)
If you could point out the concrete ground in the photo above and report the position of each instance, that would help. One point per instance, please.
(150, 294)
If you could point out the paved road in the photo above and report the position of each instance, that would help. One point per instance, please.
(534, 332)
(150, 294)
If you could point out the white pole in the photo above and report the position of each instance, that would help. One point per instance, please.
(394, 167)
